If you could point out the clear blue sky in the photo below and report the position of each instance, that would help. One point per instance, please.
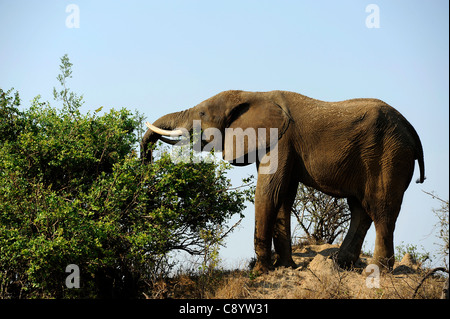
(164, 56)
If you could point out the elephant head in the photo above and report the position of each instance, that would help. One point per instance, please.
(244, 126)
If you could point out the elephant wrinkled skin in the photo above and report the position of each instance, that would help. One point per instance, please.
(360, 149)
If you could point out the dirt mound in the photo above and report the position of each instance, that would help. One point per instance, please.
(318, 277)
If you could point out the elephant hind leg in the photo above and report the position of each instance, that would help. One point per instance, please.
(384, 216)
(359, 224)
(383, 255)
(384, 197)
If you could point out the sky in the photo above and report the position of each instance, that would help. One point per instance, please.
(158, 57)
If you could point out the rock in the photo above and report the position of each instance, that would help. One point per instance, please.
(303, 255)
(408, 260)
(408, 265)
(322, 265)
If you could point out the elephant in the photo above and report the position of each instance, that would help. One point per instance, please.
(360, 149)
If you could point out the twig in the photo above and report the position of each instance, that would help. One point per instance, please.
(431, 272)
(435, 197)
(230, 230)
(314, 275)
(391, 277)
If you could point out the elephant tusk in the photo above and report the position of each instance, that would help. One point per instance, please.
(174, 142)
(163, 132)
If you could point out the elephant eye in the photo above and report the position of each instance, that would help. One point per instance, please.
(201, 113)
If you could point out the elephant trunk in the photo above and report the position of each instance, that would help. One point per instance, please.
(167, 122)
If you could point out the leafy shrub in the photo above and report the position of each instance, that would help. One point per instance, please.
(73, 191)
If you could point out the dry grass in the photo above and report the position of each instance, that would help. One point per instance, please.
(317, 277)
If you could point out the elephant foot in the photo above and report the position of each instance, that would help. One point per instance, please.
(288, 263)
(383, 263)
(262, 268)
(346, 260)
(383, 256)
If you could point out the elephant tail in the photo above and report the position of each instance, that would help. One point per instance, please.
(422, 177)
(416, 145)
(419, 156)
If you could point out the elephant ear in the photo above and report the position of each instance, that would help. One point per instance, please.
(253, 128)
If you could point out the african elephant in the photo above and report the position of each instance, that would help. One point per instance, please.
(360, 149)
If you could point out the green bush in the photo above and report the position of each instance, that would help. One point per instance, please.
(73, 191)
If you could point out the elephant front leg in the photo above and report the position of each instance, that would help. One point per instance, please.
(282, 232)
(264, 225)
(282, 239)
(274, 197)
